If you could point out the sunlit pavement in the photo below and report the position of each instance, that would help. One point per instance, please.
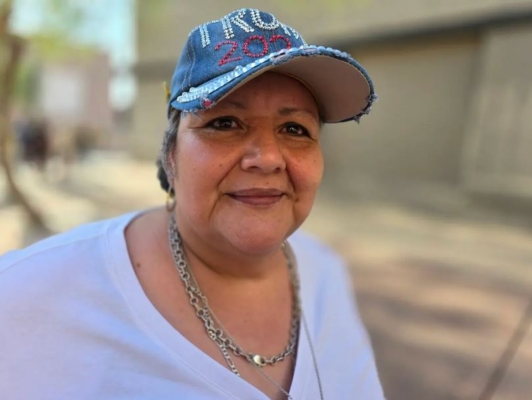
(441, 295)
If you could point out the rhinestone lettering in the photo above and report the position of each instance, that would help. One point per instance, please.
(230, 21)
(205, 38)
(228, 29)
(274, 38)
(264, 46)
(259, 23)
(226, 58)
(238, 21)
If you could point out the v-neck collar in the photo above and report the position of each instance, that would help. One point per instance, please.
(159, 329)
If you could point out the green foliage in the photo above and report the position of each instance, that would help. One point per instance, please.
(61, 17)
(26, 84)
(55, 46)
(58, 20)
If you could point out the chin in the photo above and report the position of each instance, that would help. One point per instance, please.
(258, 240)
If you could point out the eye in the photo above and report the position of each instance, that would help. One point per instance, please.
(296, 129)
(223, 123)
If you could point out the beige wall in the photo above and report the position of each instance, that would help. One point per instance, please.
(415, 130)
(498, 151)
(84, 87)
(149, 120)
(164, 24)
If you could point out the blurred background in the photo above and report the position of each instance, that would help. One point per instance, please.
(429, 199)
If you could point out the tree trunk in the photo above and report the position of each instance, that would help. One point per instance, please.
(13, 47)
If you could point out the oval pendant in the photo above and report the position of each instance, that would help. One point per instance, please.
(259, 360)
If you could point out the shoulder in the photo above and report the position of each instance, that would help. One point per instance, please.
(71, 247)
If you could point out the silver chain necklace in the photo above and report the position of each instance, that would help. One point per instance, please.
(219, 335)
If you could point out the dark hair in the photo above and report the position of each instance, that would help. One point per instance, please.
(161, 176)
(169, 142)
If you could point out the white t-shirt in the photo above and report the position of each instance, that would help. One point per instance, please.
(76, 324)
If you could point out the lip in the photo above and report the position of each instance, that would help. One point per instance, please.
(257, 196)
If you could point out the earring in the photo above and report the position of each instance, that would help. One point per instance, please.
(170, 200)
(167, 92)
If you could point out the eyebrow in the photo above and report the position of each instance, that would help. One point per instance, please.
(236, 104)
(293, 110)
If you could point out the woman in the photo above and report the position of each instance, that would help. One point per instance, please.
(205, 298)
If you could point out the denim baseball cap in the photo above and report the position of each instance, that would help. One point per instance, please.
(222, 55)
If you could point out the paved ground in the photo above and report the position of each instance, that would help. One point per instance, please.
(441, 292)
(441, 298)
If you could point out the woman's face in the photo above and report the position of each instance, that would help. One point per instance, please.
(249, 168)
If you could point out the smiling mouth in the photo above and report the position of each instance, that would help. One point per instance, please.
(258, 197)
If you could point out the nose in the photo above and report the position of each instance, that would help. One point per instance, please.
(263, 153)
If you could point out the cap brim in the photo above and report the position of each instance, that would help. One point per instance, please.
(343, 89)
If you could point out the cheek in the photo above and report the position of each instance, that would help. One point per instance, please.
(306, 174)
(202, 167)
(306, 178)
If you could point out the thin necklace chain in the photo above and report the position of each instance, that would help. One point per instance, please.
(199, 301)
(313, 353)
